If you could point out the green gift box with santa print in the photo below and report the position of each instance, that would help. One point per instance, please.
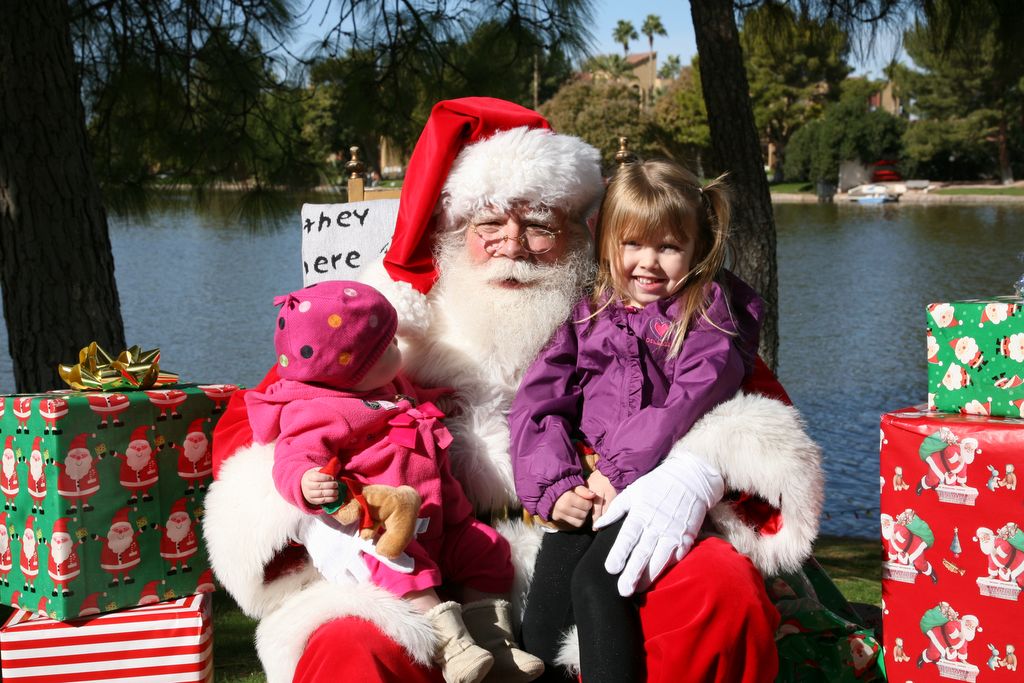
(102, 497)
(976, 357)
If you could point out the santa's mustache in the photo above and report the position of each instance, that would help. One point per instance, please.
(525, 272)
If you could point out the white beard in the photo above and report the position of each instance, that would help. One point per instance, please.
(28, 546)
(177, 530)
(138, 458)
(481, 340)
(35, 466)
(505, 328)
(195, 448)
(60, 547)
(8, 463)
(5, 542)
(76, 466)
(119, 539)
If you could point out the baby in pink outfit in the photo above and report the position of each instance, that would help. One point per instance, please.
(341, 394)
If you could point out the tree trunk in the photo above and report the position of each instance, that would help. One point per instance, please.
(56, 266)
(735, 148)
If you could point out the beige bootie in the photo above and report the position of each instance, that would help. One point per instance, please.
(490, 624)
(460, 659)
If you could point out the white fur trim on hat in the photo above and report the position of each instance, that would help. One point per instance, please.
(523, 164)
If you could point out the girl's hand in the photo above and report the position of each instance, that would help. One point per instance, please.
(318, 488)
(572, 507)
(605, 492)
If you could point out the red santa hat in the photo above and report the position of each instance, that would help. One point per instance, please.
(37, 444)
(139, 434)
(79, 441)
(91, 605)
(121, 516)
(196, 426)
(149, 594)
(15, 597)
(9, 444)
(30, 522)
(60, 526)
(480, 151)
(204, 584)
(179, 506)
(3, 519)
(43, 604)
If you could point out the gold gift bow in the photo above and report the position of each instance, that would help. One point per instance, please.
(133, 368)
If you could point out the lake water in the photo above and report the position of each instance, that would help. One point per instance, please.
(853, 285)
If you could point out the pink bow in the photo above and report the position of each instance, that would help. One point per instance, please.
(406, 431)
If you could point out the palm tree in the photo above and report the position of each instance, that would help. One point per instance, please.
(610, 67)
(653, 27)
(670, 69)
(623, 33)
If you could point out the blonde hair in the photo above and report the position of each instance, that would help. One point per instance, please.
(645, 200)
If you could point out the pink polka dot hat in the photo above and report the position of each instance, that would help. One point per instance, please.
(332, 332)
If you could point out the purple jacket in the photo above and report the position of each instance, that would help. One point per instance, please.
(611, 383)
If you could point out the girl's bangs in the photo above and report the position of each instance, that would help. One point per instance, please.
(648, 221)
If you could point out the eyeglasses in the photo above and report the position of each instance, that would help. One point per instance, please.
(533, 240)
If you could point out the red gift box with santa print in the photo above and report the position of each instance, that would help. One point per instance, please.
(102, 496)
(167, 642)
(952, 546)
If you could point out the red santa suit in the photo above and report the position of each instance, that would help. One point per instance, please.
(63, 564)
(22, 412)
(139, 471)
(1006, 562)
(29, 562)
(53, 410)
(195, 459)
(36, 476)
(179, 540)
(120, 554)
(949, 641)
(9, 485)
(77, 478)
(107, 407)
(6, 560)
(757, 443)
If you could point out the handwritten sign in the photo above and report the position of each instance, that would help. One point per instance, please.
(339, 239)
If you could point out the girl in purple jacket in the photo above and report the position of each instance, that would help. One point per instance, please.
(667, 334)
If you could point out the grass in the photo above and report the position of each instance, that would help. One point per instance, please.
(853, 564)
(792, 188)
(1011, 191)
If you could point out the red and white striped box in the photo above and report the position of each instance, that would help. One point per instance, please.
(165, 642)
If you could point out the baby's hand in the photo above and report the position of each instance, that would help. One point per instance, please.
(599, 484)
(572, 507)
(319, 488)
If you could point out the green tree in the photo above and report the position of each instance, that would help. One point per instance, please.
(849, 130)
(795, 64)
(624, 32)
(682, 120)
(652, 26)
(609, 67)
(600, 112)
(971, 81)
(670, 68)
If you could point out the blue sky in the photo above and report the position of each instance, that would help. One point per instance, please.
(675, 16)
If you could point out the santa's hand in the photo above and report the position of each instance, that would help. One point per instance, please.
(664, 511)
(318, 488)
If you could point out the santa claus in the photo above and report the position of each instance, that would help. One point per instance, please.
(37, 476)
(948, 634)
(1005, 551)
(120, 553)
(476, 330)
(9, 485)
(907, 537)
(139, 470)
(22, 413)
(29, 562)
(53, 410)
(77, 479)
(179, 540)
(195, 461)
(947, 459)
(6, 560)
(63, 564)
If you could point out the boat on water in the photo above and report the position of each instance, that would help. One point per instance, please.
(873, 194)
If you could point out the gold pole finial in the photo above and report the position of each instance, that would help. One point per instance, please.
(624, 155)
(355, 167)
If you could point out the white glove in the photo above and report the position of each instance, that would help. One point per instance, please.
(664, 511)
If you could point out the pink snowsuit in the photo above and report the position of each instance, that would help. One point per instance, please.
(385, 436)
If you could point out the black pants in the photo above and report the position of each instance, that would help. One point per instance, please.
(570, 585)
